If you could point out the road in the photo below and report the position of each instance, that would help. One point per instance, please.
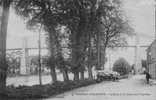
(133, 88)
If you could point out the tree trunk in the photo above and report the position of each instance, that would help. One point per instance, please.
(74, 55)
(65, 75)
(104, 57)
(90, 74)
(39, 56)
(59, 54)
(76, 76)
(104, 53)
(52, 54)
(3, 36)
(3, 75)
(89, 58)
(82, 75)
(53, 75)
(98, 52)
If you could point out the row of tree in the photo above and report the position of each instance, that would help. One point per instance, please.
(78, 32)
(122, 67)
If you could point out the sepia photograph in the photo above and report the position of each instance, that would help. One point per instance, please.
(77, 49)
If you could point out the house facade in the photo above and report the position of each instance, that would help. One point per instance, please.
(151, 59)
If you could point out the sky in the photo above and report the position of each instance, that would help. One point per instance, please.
(17, 31)
(140, 14)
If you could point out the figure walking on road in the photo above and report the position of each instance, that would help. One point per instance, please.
(148, 76)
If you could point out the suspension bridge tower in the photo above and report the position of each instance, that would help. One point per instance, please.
(137, 59)
(24, 58)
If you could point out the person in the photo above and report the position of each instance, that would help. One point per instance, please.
(148, 76)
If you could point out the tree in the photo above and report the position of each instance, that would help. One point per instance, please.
(88, 18)
(121, 66)
(89, 22)
(36, 13)
(76, 21)
(5, 4)
(113, 27)
(60, 60)
(42, 12)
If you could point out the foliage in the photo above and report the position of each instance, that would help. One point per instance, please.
(85, 20)
(114, 26)
(44, 91)
(13, 62)
(121, 66)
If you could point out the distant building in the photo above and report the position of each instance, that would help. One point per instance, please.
(151, 59)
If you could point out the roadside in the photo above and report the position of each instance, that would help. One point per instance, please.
(31, 91)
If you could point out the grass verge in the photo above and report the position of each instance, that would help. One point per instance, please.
(43, 91)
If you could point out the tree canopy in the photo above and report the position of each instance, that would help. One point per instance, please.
(93, 25)
(121, 66)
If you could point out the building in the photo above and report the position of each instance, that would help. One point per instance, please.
(151, 59)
